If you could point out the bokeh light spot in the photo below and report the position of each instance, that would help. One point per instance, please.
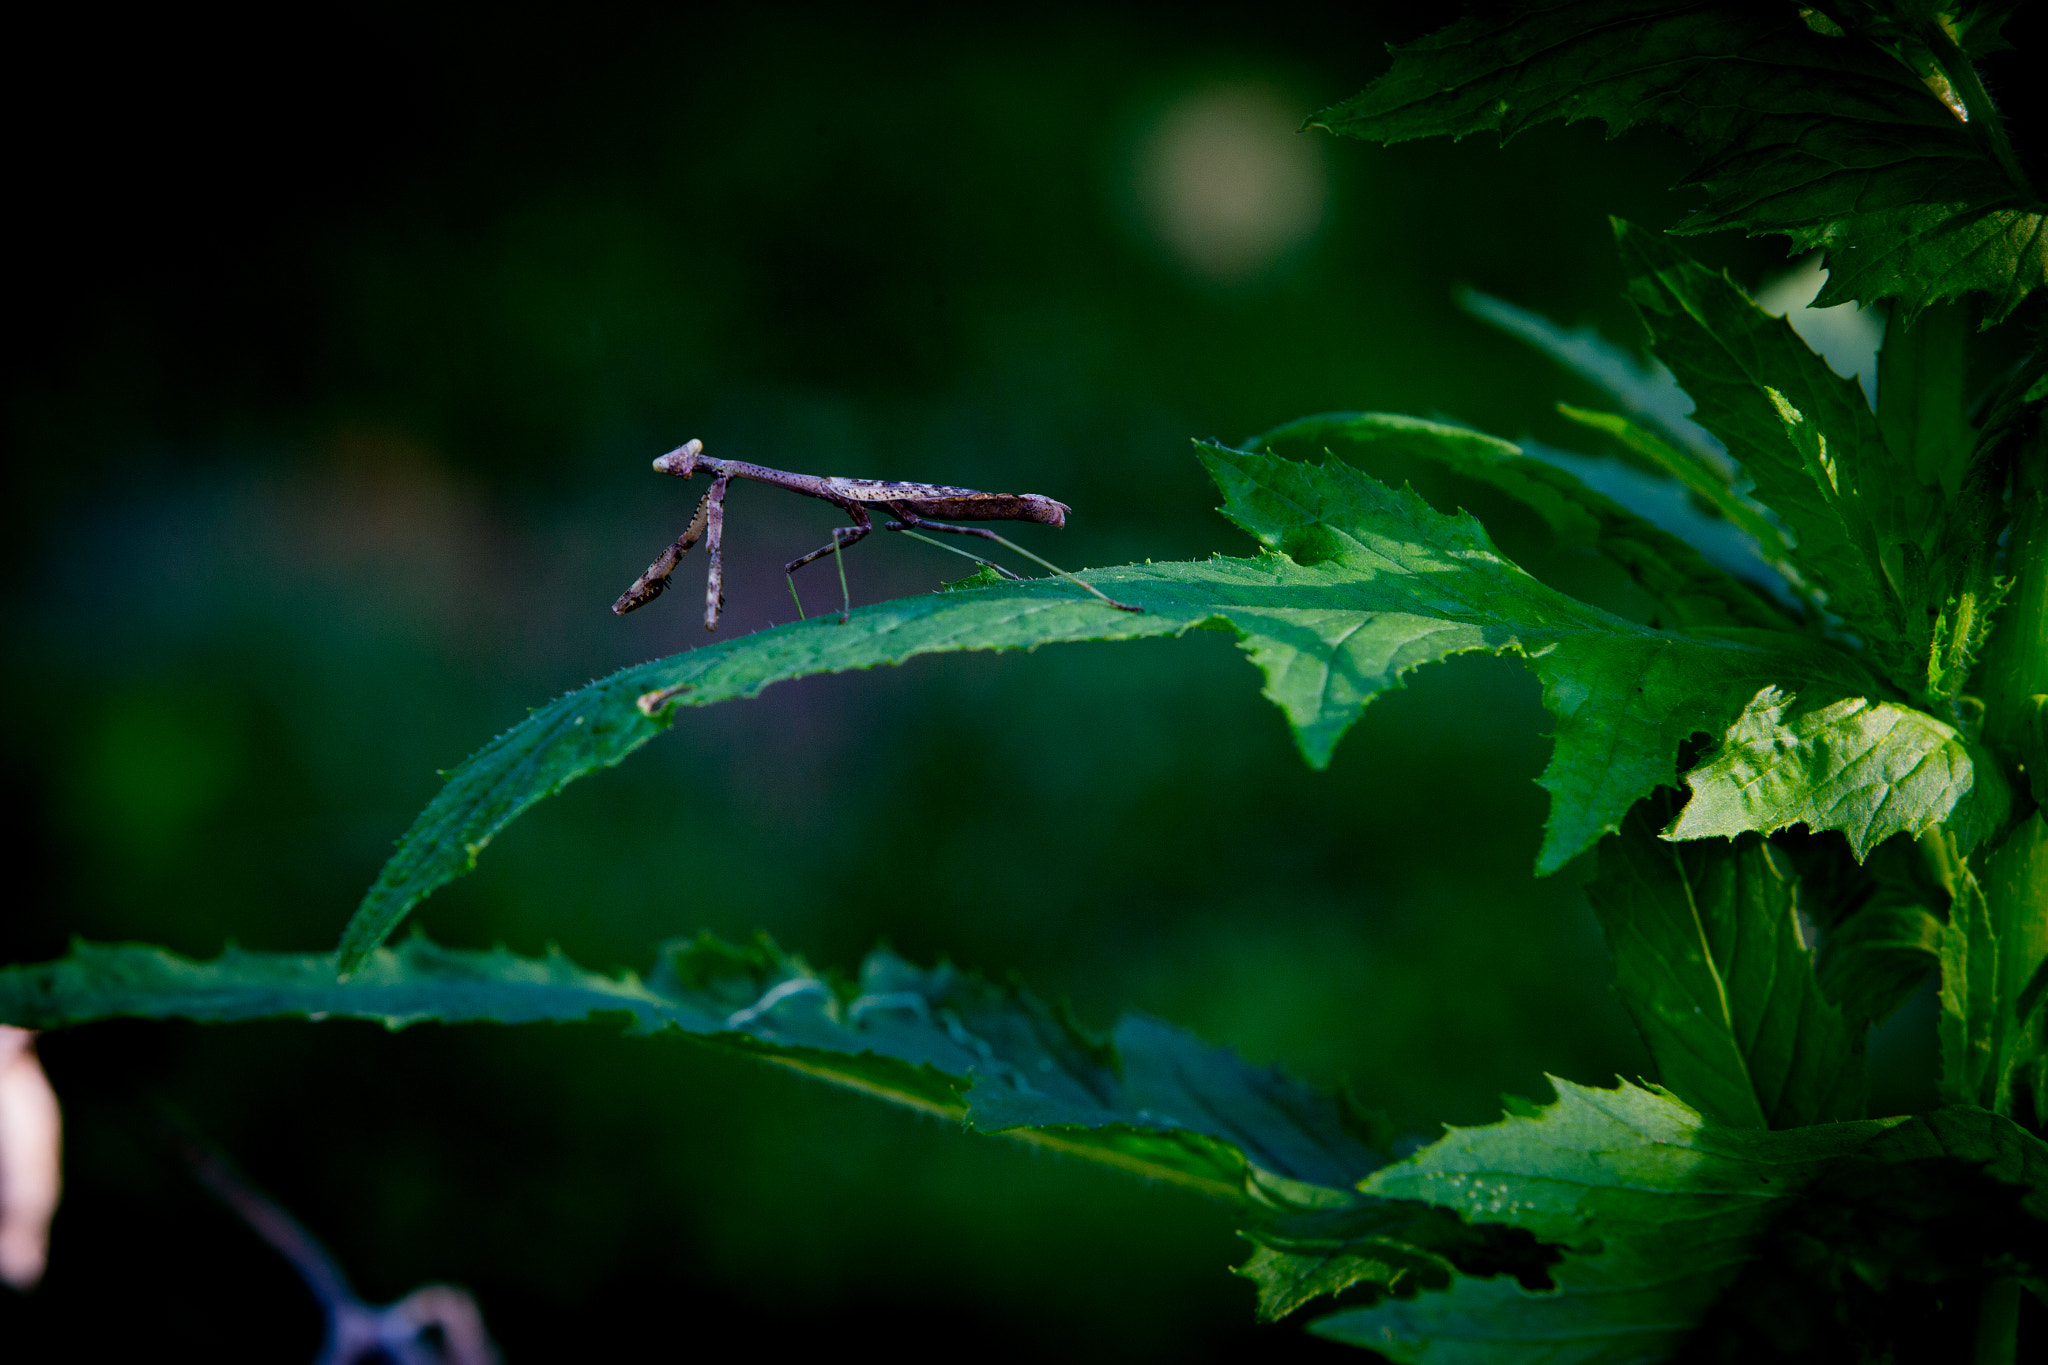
(1228, 184)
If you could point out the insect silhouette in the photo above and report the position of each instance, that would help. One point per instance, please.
(910, 504)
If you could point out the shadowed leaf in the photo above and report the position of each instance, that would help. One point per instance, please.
(1657, 1210)
(1829, 137)
(1711, 965)
(1994, 970)
(1148, 1098)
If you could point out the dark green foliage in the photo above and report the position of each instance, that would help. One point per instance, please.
(1689, 591)
(1148, 1098)
(1993, 953)
(1876, 958)
(1376, 1248)
(1891, 1252)
(1712, 966)
(1848, 140)
(1659, 1210)
(1808, 769)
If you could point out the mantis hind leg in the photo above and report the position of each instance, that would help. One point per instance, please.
(842, 538)
(906, 518)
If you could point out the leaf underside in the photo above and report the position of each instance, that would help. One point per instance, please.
(1148, 1098)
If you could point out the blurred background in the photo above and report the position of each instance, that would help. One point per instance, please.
(338, 354)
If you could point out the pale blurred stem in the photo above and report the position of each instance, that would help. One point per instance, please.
(1998, 1324)
(2015, 668)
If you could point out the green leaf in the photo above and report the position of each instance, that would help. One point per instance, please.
(984, 576)
(1911, 572)
(1688, 589)
(1625, 697)
(1376, 1247)
(1571, 511)
(1712, 966)
(1877, 957)
(599, 725)
(1292, 1274)
(1869, 769)
(1802, 432)
(1670, 1225)
(1832, 140)
(1656, 1209)
(1920, 402)
(1664, 502)
(1357, 585)
(1148, 1098)
(1994, 972)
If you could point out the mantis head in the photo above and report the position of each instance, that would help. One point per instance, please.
(682, 461)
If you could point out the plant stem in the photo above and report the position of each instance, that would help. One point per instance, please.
(1998, 1324)
(2015, 669)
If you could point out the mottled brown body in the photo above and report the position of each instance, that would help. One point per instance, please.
(909, 503)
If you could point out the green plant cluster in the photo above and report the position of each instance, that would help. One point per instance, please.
(1872, 668)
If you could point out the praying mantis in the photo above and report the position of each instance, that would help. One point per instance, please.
(909, 503)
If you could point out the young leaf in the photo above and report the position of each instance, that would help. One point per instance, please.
(1712, 967)
(1802, 432)
(1869, 769)
(1689, 590)
(1910, 571)
(1358, 586)
(1824, 136)
(1702, 481)
(1994, 973)
(1292, 1273)
(1148, 1099)
(1645, 389)
(1657, 429)
(1376, 1247)
(983, 576)
(1656, 1209)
